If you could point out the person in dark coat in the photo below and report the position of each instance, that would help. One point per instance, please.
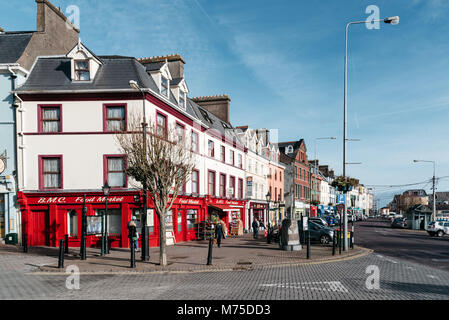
(255, 226)
(219, 234)
(132, 232)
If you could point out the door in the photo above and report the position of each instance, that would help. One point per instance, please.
(180, 226)
(40, 228)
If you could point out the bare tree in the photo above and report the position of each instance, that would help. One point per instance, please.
(166, 166)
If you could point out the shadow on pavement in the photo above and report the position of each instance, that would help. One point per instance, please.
(417, 287)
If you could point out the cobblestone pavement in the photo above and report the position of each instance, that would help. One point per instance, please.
(399, 279)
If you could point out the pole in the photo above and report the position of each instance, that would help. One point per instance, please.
(102, 234)
(61, 255)
(133, 255)
(344, 132)
(434, 209)
(334, 243)
(145, 250)
(66, 246)
(25, 242)
(308, 244)
(83, 230)
(209, 255)
(106, 242)
(339, 235)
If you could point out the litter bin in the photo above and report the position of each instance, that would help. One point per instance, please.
(11, 238)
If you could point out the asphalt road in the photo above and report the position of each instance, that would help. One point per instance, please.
(410, 245)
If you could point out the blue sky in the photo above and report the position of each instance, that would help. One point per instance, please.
(281, 62)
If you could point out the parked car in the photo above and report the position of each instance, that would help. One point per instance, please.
(391, 216)
(321, 221)
(320, 233)
(438, 228)
(399, 223)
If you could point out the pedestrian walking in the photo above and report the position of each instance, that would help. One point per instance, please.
(255, 226)
(219, 233)
(133, 234)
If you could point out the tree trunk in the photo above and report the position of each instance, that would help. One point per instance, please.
(163, 240)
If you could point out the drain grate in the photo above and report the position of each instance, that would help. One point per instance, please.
(244, 263)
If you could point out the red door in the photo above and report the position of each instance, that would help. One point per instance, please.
(39, 223)
(180, 226)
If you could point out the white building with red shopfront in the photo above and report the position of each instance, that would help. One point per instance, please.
(70, 109)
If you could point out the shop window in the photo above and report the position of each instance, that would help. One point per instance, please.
(179, 227)
(191, 219)
(72, 223)
(169, 220)
(115, 118)
(150, 220)
(51, 172)
(50, 119)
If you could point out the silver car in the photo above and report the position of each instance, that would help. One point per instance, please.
(438, 228)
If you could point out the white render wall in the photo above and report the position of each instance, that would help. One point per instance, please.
(83, 152)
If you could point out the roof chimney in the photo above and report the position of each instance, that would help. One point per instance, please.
(217, 105)
(175, 63)
(46, 14)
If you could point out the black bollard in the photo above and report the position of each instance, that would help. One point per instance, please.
(83, 248)
(66, 242)
(308, 244)
(334, 243)
(339, 241)
(61, 255)
(133, 255)
(25, 243)
(209, 255)
(269, 235)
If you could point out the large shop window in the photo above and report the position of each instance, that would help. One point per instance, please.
(50, 119)
(115, 118)
(169, 220)
(150, 219)
(114, 217)
(191, 219)
(179, 221)
(116, 171)
(51, 174)
(72, 223)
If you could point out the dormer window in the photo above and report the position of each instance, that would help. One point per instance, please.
(82, 72)
(289, 149)
(164, 86)
(182, 99)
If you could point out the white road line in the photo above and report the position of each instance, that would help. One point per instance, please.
(432, 276)
(334, 286)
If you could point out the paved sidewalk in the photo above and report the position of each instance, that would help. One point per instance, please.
(236, 253)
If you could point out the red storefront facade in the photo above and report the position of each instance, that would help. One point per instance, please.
(48, 217)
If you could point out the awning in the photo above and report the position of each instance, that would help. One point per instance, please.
(223, 207)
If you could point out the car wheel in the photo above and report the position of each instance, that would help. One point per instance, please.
(325, 239)
(440, 233)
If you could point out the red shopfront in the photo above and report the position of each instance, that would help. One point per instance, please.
(47, 218)
(228, 210)
(259, 211)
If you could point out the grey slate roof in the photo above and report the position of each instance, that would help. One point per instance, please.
(154, 66)
(54, 74)
(12, 45)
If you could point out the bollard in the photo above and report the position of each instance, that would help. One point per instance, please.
(133, 255)
(352, 239)
(66, 242)
(308, 244)
(339, 241)
(209, 255)
(334, 243)
(61, 255)
(269, 235)
(83, 248)
(25, 243)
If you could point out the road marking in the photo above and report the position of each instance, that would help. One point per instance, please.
(333, 286)
(380, 256)
(432, 276)
(410, 268)
(440, 260)
(392, 261)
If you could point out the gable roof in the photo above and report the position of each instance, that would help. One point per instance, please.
(12, 45)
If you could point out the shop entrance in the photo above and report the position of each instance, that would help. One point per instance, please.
(40, 228)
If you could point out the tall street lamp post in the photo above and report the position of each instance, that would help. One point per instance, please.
(106, 192)
(145, 252)
(268, 197)
(434, 211)
(392, 21)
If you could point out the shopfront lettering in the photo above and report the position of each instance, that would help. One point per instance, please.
(63, 200)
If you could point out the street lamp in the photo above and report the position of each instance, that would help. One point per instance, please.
(434, 211)
(268, 197)
(106, 192)
(145, 252)
(393, 21)
(316, 159)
